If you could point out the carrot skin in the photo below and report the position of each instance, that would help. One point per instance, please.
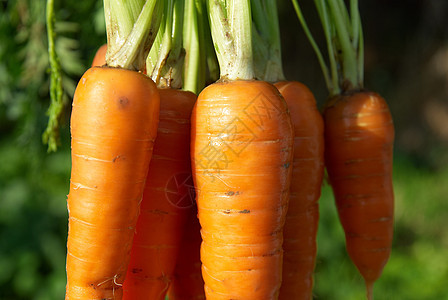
(100, 56)
(241, 154)
(113, 128)
(300, 231)
(165, 205)
(187, 282)
(359, 137)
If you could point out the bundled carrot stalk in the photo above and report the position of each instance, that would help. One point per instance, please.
(302, 218)
(113, 126)
(242, 156)
(359, 137)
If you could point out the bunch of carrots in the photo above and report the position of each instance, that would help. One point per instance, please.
(189, 186)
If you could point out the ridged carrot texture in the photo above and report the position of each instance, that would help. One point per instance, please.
(187, 283)
(302, 218)
(113, 126)
(359, 137)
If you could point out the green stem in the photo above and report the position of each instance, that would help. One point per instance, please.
(316, 49)
(51, 134)
(231, 24)
(194, 50)
(131, 29)
(165, 60)
(211, 61)
(267, 44)
(349, 62)
(330, 38)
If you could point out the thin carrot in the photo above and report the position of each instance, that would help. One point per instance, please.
(113, 126)
(241, 154)
(168, 194)
(359, 137)
(300, 231)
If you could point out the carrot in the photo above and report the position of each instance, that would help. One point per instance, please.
(166, 201)
(241, 155)
(100, 56)
(113, 126)
(359, 137)
(300, 231)
(168, 193)
(187, 281)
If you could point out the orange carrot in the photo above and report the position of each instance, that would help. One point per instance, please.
(166, 200)
(187, 281)
(302, 219)
(113, 126)
(113, 129)
(100, 56)
(242, 154)
(359, 137)
(300, 231)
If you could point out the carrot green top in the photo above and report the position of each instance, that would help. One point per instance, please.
(266, 41)
(344, 38)
(131, 28)
(230, 22)
(165, 60)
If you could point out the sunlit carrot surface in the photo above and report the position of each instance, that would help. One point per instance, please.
(113, 129)
(242, 160)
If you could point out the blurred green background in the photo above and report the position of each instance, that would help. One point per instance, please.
(406, 46)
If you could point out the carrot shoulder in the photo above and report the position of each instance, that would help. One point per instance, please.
(112, 142)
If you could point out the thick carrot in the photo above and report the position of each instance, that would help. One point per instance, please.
(242, 154)
(359, 136)
(166, 201)
(242, 146)
(187, 281)
(302, 219)
(100, 56)
(113, 126)
(113, 129)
